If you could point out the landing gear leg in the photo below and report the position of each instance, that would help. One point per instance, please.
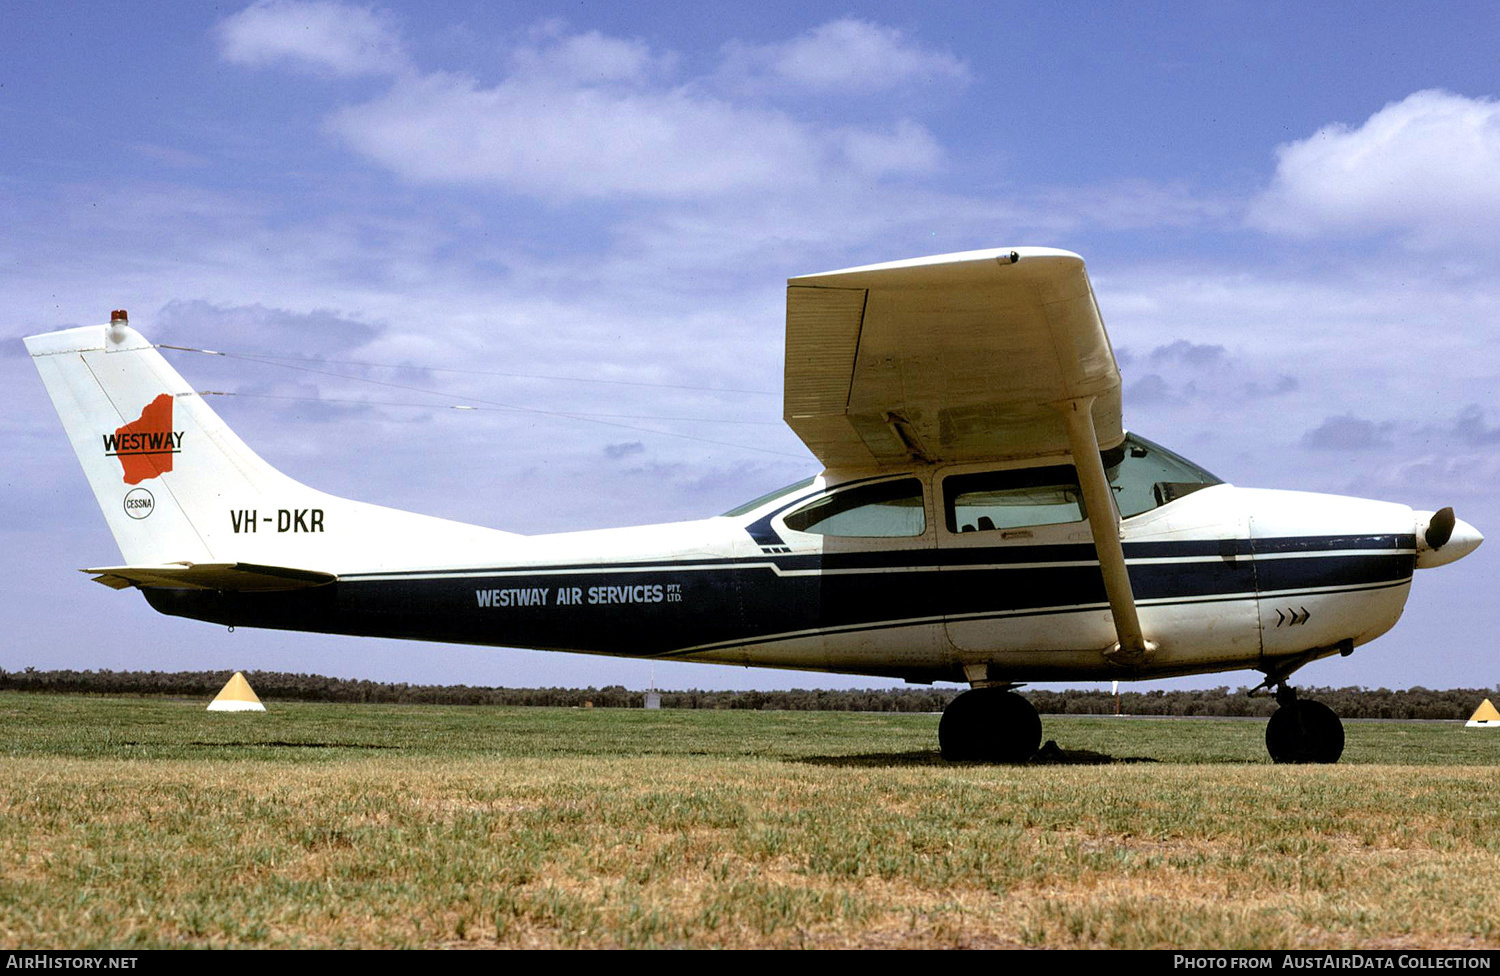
(1302, 730)
(989, 725)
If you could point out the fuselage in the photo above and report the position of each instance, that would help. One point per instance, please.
(885, 573)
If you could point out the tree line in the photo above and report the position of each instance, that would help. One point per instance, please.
(1353, 702)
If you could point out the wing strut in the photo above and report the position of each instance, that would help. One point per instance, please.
(1104, 523)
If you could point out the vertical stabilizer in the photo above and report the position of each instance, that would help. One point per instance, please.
(151, 448)
(177, 486)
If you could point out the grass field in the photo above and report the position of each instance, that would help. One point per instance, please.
(150, 823)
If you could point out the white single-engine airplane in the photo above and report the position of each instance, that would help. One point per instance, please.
(983, 518)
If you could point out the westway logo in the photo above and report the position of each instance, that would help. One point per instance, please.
(145, 446)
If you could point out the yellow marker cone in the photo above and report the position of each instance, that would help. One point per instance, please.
(237, 696)
(1484, 717)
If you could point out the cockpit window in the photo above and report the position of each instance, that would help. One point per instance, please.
(752, 505)
(889, 509)
(1012, 499)
(1146, 475)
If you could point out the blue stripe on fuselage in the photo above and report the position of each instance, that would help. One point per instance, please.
(929, 557)
(625, 608)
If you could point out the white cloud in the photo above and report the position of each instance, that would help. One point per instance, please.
(593, 117)
(905, 148)
(1183, 372)
(1424, 168)
(843, 56)
(590, 58)
(1349, 433)
(560, 141)
(1129, 204)
(322, 35)
(289, 333)
(1340, 376)
(590, 116)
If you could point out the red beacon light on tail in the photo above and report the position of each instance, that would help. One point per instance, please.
(119, 321)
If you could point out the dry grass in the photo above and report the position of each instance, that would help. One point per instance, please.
(138, 824)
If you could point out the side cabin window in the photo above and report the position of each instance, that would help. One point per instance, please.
(1144, 475)
(889, 509)
(1017, 498)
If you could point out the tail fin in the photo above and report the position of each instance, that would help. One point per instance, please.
(177, 486)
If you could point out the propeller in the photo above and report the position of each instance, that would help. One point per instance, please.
(1440, 528)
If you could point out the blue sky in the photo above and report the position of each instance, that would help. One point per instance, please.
(1291, 216)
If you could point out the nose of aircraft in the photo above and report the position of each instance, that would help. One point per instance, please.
(1443, 538)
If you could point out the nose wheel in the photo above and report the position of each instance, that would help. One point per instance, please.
(989, 725)
(1303, 731)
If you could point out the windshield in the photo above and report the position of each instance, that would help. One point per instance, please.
(1145, 475)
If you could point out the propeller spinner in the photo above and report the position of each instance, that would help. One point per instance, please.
(1442, 538)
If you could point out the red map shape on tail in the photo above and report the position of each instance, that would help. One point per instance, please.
(145, 446)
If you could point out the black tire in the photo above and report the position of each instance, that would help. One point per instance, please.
(1305, 732)
(989, 725)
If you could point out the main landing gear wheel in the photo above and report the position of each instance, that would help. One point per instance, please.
(989, 725)
(1304, 732)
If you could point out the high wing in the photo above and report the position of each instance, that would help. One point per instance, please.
(955, 357)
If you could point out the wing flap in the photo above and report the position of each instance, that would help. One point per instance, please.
(955, 357)
(211, 576)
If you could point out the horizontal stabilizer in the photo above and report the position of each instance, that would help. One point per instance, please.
(210, 576)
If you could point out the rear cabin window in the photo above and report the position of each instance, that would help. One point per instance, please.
(890, 509)
(1024, 497)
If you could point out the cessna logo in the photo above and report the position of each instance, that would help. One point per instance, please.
(139, 503)
(145, 445)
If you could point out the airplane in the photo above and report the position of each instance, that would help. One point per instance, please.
(983, 517)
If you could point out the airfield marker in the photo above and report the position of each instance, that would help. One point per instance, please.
(1484, 717)
(236, 696)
